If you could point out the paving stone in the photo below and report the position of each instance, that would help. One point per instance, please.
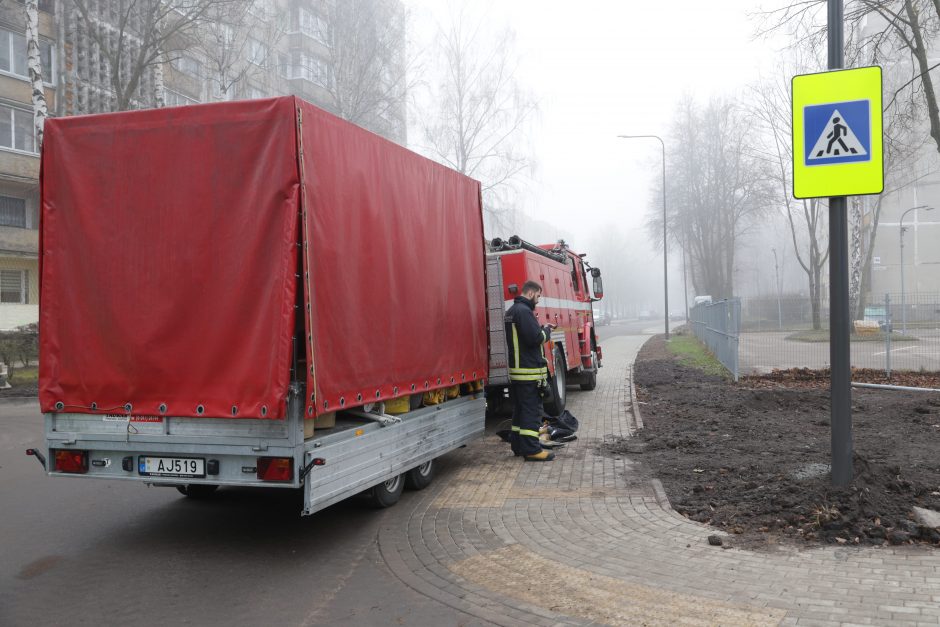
(494, 537)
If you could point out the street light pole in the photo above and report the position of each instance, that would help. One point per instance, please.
(777, 275)
(903, 300)
(665, 260)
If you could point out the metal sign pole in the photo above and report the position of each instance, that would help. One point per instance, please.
(840, 382)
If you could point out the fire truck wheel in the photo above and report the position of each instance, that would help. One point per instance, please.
(589, 381)
(556, 403)
(387, 494)
(419, 478)
(197, 490)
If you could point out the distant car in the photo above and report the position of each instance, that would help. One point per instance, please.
(676, 315)
(601, 319)
(648, 314)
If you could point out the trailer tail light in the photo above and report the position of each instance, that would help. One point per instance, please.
(275, 468)
(75, 462)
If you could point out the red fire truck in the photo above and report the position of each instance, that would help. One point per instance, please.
(574, 354)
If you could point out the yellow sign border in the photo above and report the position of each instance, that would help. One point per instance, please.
(838, 179)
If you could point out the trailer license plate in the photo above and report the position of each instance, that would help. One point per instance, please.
(172, 466)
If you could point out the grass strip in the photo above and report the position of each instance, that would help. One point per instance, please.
(692, 353)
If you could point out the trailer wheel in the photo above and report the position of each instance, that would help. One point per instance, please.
(556, 385)
(197, 490)
(419, 478)
(589, 382)
(387, 493)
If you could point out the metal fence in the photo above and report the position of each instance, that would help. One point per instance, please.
(895, 332)
(718, 325)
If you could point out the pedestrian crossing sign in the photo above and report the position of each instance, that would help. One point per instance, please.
(837, 133)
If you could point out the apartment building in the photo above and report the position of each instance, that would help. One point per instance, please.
(256, 49)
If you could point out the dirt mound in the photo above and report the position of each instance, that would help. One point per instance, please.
(753, 458)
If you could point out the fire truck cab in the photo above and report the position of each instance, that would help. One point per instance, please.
(569, 287)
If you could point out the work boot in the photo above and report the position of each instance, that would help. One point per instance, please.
(541, 456)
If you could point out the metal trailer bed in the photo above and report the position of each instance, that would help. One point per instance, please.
(363, 449)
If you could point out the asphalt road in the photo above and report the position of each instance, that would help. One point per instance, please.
(104, 553)
(635, 327)
(81, 552)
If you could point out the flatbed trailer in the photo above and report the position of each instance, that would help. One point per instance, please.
(225, 302)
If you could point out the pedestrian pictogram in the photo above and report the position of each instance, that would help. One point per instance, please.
(837, 133)
(830, 135)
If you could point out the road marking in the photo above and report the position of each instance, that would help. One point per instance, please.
(895, 350)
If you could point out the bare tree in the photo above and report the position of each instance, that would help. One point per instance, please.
(34, 65)
(238, 41)
(716, 189)
(878, 32)
(807, 218)
(479, 123)
(371, 71)
(128, 38)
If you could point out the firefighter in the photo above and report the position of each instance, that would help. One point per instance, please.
(528, 372)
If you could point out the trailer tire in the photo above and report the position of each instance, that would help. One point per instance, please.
(555, 404)
(387, 493)
(197, 490)
(419, 478)
(589, 381)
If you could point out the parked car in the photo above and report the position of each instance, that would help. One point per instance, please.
(648, 314)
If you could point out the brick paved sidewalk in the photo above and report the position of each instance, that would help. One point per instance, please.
(583, 540)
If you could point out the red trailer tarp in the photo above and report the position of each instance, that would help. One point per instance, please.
(169, 255)
(395, 258)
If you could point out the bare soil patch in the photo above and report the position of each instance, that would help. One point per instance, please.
(753, 458)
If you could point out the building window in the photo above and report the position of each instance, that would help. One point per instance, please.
(12, 212)
(257, 52)
(13, 56)
(311, 68)
(14, 287)
(188, 65)
(16, 129)
(176, 99)
(314, 26)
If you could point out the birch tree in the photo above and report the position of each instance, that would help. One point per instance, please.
(478, 123)
(34, 66)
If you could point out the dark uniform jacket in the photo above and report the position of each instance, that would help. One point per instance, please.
(525, 338)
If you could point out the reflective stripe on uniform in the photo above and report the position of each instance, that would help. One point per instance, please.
(515, 344)
(526, 432)
(537, 370)
(526, 377)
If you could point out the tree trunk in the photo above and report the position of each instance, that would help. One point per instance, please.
(34, 64)
(815, 298)
(919, 51)
(159, 87)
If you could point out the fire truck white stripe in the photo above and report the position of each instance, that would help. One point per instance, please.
(557, 303)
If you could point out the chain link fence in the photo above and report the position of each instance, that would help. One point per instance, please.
(717, 325)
